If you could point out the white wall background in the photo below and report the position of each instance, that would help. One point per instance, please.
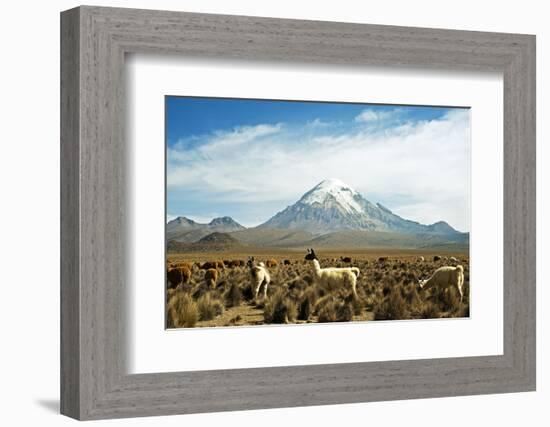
(29, 212)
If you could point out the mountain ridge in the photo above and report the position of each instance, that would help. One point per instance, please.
(186, 230)
(331, 214)
(334, 206)
(213, 242)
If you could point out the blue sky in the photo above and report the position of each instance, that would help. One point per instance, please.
(249, 159)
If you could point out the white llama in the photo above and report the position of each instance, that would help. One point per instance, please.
(445, 277)
(332, 277)
(259, 275)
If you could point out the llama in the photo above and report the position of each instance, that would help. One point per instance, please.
(445, 277)
(259, 275)
(177, 276)
(182, 264)
(333, 277)
(236, 263)
(208, 265)
(213, 264)
(271, 263)
(211, 277)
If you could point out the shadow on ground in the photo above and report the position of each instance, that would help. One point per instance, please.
(51, 405)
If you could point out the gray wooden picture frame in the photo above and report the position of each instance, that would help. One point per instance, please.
(94, 381)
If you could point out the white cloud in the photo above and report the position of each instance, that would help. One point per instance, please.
(419, 170)
(222, 140)
(240, 135)
(371, 115)
(317, 122)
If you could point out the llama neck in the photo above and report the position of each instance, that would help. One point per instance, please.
(316, 267)
(428, 283)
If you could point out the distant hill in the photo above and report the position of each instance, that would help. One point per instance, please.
(380, 239)
(210, 243)
(185, 230)
(272, 237)
(217, 238)
(351, 239)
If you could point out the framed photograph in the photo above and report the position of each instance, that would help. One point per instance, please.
(349, 208)
(240, 158)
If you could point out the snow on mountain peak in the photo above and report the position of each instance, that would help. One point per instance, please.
(333, 206)
(334, 189)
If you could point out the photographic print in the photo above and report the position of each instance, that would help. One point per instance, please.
(299, 212)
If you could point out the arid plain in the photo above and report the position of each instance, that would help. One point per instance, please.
(387, 288)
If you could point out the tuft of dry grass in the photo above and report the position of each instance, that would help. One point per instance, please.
(307, 301)
(247, 292)
(280, 309)
(463, 311)
(429, 311)
(334, 310)
(233, 296)
(449, 299)
(392, 307)
(305, 309)
(327, 313)
(209, 307)
(182, 311)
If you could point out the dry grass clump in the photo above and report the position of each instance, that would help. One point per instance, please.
(305, 309)
(247, 293)
(307, 302)
(463, 311)
(182, 311)
(335, 311)
(209, 307)
(332, 309)
(233, 296)
(280, 309)
(429, 311)
(449, 299)
(392, 307)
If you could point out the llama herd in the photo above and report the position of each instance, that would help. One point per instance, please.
(326, 276)
(346, 277)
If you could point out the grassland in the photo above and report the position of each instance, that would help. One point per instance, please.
(387, 290)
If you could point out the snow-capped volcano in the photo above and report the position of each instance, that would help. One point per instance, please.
(333, 206)
(334, 191)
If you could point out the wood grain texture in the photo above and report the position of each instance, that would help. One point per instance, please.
(94, 381)
(70, 292)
